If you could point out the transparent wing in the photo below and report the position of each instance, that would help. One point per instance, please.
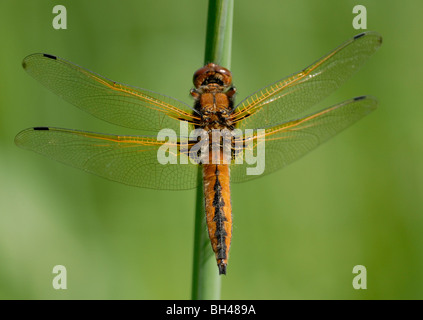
(288, 98)
(105, 99)
(130, 160)
(289, 141)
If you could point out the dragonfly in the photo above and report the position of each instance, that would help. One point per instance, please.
(276, 111)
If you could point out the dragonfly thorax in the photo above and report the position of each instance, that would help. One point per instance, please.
(214, 96)
(215, 109)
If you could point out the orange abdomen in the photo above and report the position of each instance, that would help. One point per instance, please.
(217, 196)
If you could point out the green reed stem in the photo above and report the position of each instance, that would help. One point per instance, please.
(206, 281)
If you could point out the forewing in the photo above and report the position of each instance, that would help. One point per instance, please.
(288, 98)
(105, 99)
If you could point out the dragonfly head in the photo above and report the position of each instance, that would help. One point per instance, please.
(212, 74)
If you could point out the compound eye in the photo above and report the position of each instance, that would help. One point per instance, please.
(199, 76)
(227, 75)
(210, 70)
(200, 72)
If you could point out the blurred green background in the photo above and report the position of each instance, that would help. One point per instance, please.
(356, 200)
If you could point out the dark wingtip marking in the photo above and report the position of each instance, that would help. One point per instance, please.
(41, 128)
(359, 98)
(49, 56)
(359, 35)
(222, 268)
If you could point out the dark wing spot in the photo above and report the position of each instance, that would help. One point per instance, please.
(359, 98)
(359, 35)
(49, 56)
(41, 128)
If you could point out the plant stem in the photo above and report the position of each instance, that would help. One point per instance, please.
(206, 281)
(219, 32)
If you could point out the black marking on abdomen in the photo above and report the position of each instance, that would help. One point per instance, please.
(219, 218)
